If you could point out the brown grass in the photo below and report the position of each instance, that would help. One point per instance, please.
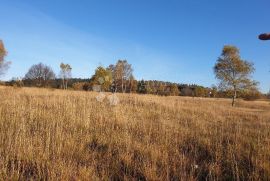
(68, 135)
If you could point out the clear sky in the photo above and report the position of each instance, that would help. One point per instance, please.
(172, 40)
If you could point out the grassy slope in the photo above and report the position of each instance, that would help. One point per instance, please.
(67, 135)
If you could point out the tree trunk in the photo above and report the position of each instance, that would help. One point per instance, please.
(122, 85)
(130, 87)
(234, 98)
(66, 86)
(63, 83)
(125, 90)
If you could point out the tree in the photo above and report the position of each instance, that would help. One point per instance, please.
(161, 88)
(65, 74)
(251, 94)
(152, 87)
(132, 86)
(3, 64)
(174, 91)
(102, 78)
(186, 91)
(142, 88)
(200, 91)
(40, 75)
(122, 74)
(16, 82)
(148, 87)
(214, 91)
(233, 72)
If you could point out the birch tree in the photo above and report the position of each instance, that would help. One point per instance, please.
(122, 73)
(65, 74)
(233, 72)
(4, 65)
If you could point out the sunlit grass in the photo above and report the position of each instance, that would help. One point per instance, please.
(69, 135)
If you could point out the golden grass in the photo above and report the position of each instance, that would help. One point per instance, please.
(68, 135)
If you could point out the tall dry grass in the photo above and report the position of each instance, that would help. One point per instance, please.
(67, 135)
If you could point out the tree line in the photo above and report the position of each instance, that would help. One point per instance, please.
(233, 73)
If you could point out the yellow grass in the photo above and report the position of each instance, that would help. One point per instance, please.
(68, 135)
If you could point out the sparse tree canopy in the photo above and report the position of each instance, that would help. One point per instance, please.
(122, 75)
(233, 72)
(41, 74)
(65, 74)
(3, 64)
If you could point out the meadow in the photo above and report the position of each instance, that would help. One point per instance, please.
(48, 134)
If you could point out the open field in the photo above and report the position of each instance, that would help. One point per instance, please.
(68, 135)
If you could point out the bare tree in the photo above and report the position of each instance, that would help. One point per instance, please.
(233, 72)
(40, 74)
(65, 74)
(4, 65)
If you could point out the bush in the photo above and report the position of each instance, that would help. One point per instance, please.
(78, 86)
(87, 86)
(82, 86)
(252, 95)
(2, 83)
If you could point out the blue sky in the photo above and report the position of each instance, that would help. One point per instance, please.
(172, 40)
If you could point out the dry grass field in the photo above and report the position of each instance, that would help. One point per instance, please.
(67, 135)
